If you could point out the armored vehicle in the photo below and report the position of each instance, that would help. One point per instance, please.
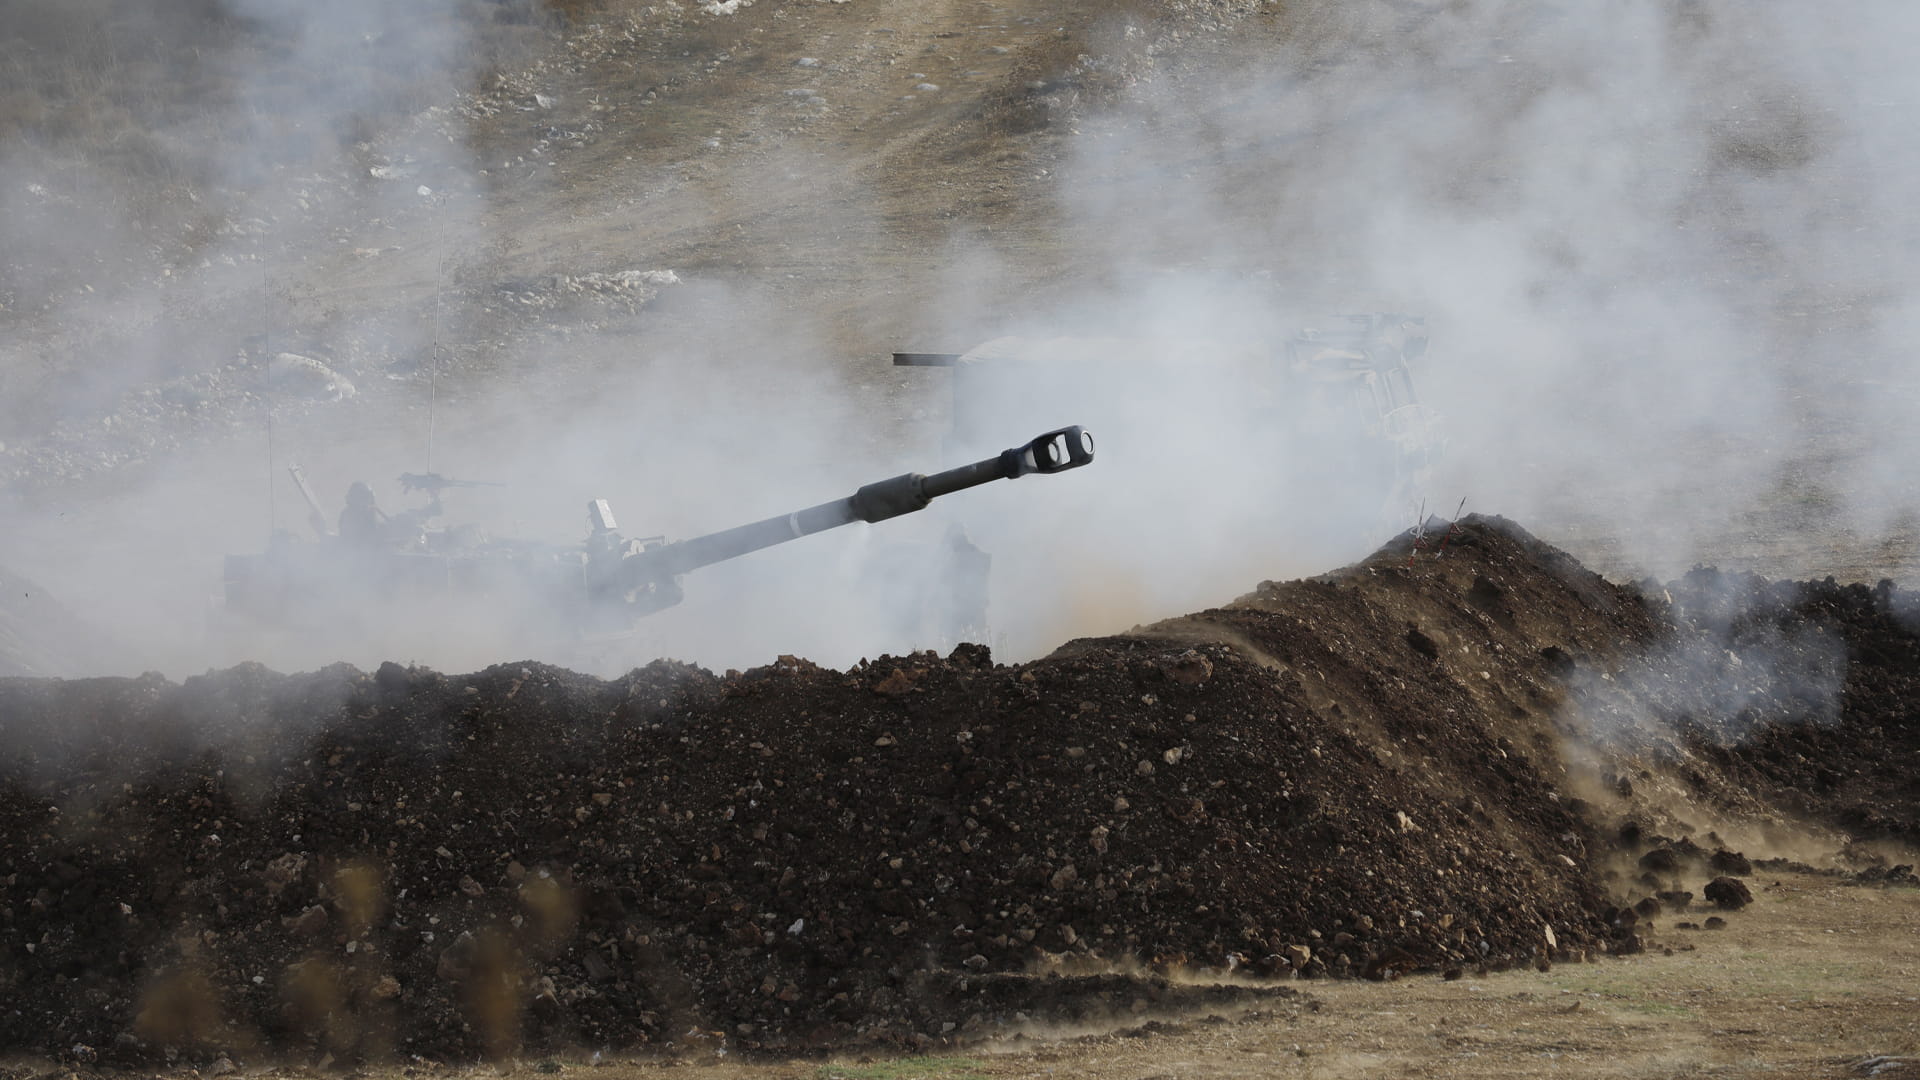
(1339, 397)
(376, 564)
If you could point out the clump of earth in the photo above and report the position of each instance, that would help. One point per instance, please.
(1443, 759)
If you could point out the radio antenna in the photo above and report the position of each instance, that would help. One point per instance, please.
(266, 345)
(432, 377)
(433, 357)
(273, 512)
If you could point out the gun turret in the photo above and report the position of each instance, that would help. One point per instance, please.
(645, 580)
(436, 483)
(433, 484)
(1368, 342)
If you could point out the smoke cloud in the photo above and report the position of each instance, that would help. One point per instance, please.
(1662, 249)
(1660, 245)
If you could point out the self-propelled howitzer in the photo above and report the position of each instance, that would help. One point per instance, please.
(636, 578)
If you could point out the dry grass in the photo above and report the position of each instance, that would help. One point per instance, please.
(160, 91)
(126, 128)
(78, 73)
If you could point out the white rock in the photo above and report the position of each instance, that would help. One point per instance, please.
(307, 376)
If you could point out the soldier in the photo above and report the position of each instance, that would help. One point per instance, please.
(362, 523)
(606, 548)
(971, 570)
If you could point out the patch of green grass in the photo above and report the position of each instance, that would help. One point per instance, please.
(913, 1068)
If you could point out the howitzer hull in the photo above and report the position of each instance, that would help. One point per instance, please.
(331, 584)
(1334, 410)
(346, 594)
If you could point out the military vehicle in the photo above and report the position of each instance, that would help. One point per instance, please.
(1340, 397)
(357, 573)
(1364, 359)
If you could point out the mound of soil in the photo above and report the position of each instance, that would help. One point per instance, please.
(1361, 774)
(1853, 760)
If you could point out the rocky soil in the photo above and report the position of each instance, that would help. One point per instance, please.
(481, 215)
(1462, 754)
(1465, 753)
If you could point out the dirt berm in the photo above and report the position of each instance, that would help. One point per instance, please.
(1422, 762)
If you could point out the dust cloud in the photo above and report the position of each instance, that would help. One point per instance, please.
(1662, 249)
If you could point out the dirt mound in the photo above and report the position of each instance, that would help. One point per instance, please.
(1361, 774)
(1778, 697)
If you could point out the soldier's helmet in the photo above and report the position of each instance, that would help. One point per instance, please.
(359, 494)
(1414, 331)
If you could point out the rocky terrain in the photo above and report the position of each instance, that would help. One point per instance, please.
(660, 251)
(1459, 755)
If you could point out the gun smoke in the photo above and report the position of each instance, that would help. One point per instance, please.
(1660, 246)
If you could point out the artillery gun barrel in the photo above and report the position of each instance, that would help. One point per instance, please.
(1056, 451)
